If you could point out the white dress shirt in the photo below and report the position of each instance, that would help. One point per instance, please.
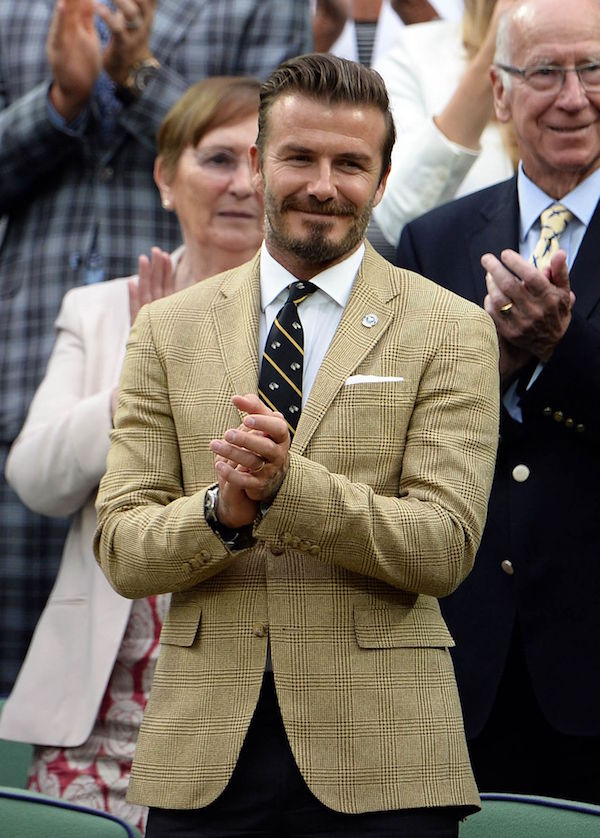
(320, 313)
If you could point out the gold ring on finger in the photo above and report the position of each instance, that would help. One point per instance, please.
(256, 470)
(505, 309)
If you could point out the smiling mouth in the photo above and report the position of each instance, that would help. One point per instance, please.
(319, 215)
(572, 129)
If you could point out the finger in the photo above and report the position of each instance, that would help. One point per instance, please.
(533, 280)
(237, 455)
(134, 300)
(559, 272)
(144, 280)
(504, 282)
(250, 403)
(168, 275)
(255, 487)
(272, 426)
(127, 11)
(497, 298)
(156, 273)
(248, 450)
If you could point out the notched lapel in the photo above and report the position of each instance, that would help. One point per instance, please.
(355, 337)
(584, 271)
(499, 229)
(235, 314)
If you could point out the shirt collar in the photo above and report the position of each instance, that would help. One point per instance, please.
(335, 281)
(581, 201)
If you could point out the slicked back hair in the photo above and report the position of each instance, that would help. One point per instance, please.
(332, 80)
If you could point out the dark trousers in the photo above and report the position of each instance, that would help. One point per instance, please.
(519, 752)
(267, 797)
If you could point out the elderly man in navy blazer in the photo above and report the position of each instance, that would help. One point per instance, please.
(526, 622)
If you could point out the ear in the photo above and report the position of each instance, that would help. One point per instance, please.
(381, 188)
(161, 181)
(255, 170)
(502, 104)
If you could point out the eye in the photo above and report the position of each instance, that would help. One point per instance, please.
(544, 77)
(590, 75)
(544, 72)
(216, 160)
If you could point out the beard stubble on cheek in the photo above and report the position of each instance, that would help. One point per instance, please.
(316, 246)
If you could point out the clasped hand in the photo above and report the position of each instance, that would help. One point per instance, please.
(541, 307)
(251, 462)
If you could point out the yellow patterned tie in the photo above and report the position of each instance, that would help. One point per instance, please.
(553, 221)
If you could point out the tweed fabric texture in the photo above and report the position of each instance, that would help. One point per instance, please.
(57, 188)
(380, 513)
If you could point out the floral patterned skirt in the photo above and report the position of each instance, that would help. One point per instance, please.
(96, 773)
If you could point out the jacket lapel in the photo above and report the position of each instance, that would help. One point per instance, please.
(498, 229)
(584, 271)
(235, 316)
(353, 340)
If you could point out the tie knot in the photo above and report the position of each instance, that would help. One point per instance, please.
(299, 291)
(555, 219)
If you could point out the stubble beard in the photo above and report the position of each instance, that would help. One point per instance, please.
(316, 247)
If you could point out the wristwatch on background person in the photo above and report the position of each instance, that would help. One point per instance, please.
(137, 80)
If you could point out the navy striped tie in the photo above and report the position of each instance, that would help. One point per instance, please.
(280, 379)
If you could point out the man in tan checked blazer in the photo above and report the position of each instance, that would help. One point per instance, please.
(304, 684)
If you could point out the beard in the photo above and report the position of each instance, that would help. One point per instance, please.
(316, 246)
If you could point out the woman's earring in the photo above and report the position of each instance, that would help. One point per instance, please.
(166, 203)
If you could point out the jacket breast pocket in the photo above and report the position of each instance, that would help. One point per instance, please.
(400, 627)
(182, 624)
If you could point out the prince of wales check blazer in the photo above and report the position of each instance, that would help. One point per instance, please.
(57, 187)
(380, 513)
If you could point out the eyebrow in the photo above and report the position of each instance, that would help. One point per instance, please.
(300, 149)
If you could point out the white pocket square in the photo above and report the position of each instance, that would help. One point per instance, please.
(371, 379)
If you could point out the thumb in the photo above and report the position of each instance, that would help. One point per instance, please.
(559, 273)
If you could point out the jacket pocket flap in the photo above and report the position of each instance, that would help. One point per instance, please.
(181, 626)
(387, 628)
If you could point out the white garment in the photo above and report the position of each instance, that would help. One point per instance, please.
(389, 25)
(55, 465)
(421, 73)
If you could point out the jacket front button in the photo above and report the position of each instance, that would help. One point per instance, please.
(507, 567)
(277, 549)
(520, 473)
(260, 630)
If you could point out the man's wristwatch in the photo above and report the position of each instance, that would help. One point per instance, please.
(138, 78)
(238, 539)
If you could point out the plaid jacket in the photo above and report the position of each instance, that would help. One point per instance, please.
(380, 513)
(56, 188)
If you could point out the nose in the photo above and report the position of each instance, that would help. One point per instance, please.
(321, 183)
(572, 95)
(241, 181)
